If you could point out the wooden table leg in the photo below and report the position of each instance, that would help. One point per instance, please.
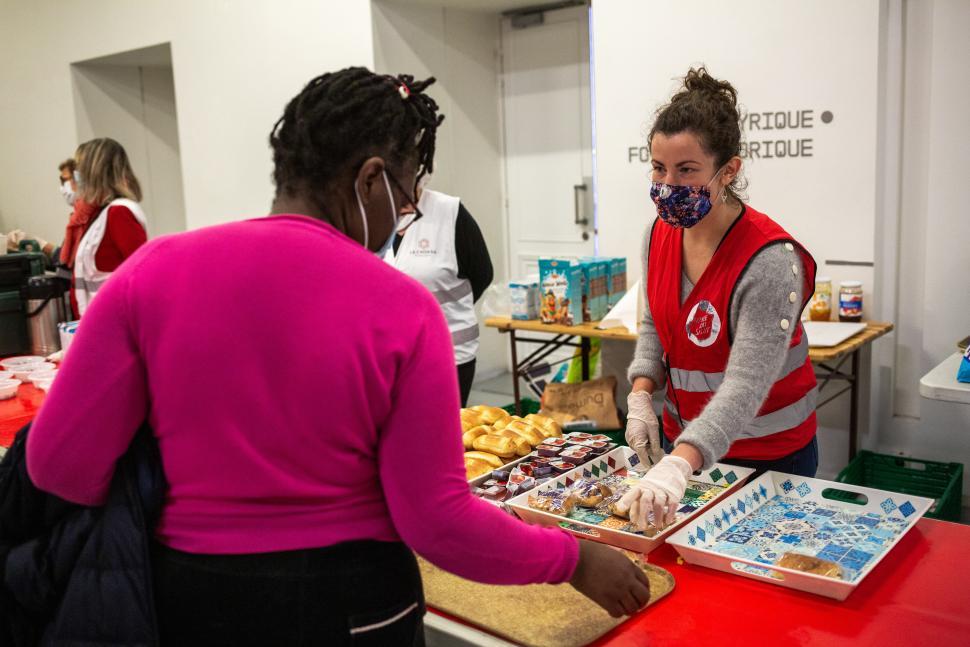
(515, 374)
(854, 407)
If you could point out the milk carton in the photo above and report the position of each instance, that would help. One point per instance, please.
(561, 291)
(524, 298)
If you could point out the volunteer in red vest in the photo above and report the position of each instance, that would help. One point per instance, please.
(107, 224)
(445, 251)
(725, 289)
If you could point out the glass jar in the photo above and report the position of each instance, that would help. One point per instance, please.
(820, 308)
(850, 301)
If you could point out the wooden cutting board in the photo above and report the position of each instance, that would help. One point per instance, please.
(536, 615)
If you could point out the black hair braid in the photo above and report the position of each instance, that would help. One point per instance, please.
(341, 118)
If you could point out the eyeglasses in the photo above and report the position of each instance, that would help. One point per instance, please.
(406, 220)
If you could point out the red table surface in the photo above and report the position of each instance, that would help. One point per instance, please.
(919, 594)
(18, 411)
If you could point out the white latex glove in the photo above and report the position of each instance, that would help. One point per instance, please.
(660, 492)
(643, 428)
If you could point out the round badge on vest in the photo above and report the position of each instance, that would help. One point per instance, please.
(703, 324)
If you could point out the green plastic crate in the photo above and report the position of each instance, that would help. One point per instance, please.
(942, 482)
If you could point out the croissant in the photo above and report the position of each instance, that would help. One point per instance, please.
(490, 414)
(488, 457)
(549, 427)
(527, 431)
(475, 467)
(522, 446)
(474, 433)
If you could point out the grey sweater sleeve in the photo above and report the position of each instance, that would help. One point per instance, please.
(762, 300)
(648, 356)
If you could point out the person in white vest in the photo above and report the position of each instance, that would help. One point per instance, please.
(445, 251)
(107, 225)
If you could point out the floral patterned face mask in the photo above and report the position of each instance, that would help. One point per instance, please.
(682, 206)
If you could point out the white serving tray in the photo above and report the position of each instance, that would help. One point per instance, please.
(844, 532)
(728, 476)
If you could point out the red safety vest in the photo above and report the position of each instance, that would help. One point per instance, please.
(697, 344)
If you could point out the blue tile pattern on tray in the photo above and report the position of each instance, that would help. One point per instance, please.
(785, 524)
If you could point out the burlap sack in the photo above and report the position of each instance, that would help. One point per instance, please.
(592, 400)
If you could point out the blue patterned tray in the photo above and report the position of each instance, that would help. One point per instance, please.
(750, 531)
(705, 489)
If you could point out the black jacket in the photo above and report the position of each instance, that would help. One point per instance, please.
(75, 575)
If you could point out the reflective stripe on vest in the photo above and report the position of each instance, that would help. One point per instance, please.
(464, 335)
(454, 294)
(770, 423)
(701, 382)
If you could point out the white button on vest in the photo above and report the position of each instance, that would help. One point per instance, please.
(789, 247)
(784, 324)
(792, 297)
(794, 270)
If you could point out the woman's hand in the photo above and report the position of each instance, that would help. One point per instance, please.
(660, 492)
(643, 428)
(608, 578)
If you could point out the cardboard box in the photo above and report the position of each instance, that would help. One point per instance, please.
(524, 299)
(616, 280)
(561, 292)
(596, 287)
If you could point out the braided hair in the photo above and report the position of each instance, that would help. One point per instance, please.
(341, 118)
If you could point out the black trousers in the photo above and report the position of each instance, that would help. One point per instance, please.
(466, 375)
(355, 593)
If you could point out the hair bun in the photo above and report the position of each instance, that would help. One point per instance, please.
(700, 81)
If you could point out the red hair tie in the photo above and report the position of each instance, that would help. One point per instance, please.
(404, 91)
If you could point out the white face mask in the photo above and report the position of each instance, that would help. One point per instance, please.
(363, 216)
(68, 193)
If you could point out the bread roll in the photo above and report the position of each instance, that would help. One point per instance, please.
(522, 446)
(475, 467)
(527, 431)
(488, 457)
(474, 433)
(498, 445)
(470, 419)
(490, 414)
(502, 423)
(546, 425)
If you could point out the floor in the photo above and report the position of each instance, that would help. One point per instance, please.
(497, 392)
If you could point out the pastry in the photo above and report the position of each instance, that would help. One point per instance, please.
(527, 431)
(557, 502)
(490, 414)
(809, 564)
(469, 436)
(470, 419)
(549, 427)
(502, 423)
(493, 460)
(475, 467)
(589, 493)
(522, 446)
(494, 444)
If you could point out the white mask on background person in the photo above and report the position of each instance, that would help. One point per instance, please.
(363, 216)
(68, 193)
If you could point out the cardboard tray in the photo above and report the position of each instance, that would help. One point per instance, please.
(748, 530)
(727, 476)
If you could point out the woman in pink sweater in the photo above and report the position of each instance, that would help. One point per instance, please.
(304, 399)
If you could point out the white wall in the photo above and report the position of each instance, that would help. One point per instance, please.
(459, 48)
(235, 66)
(773, 54)
(136, 106)
(925, 194)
